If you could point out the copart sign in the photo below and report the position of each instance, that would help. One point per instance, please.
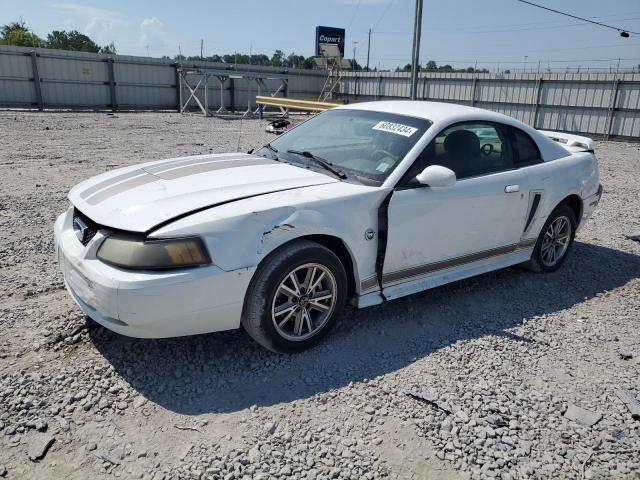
(330, 35)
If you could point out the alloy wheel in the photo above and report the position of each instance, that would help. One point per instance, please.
(304, 301)
(555, 242)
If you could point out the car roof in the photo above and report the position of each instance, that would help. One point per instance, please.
(434, 111)
(443, 114)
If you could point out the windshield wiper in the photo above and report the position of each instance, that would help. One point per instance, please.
(274, 150)
(320, 161)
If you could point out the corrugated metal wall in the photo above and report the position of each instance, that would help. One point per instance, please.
(93, 81)
(597, 104)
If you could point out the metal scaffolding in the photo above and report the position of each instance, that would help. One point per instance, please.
(193, 79)
(331, 61)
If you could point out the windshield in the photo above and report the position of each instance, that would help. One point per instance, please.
(362, 144)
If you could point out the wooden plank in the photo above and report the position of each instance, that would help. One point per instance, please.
(294, 103)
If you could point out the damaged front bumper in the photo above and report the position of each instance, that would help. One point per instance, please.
(148, 304)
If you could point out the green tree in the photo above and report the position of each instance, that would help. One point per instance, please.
(72, 40)
(260, 59)
(110, 49)
(431, 66)
(295, 61)
(17, 33)
(278, 59)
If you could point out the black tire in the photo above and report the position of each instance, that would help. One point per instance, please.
(257, 318)
(537, 263)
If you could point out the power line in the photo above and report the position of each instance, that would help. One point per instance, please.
(510, 62)
(543, 50)
(621, 30)
(468, 32)
(355, 12)
(384, 12)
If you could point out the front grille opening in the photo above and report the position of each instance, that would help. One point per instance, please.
(84, 227)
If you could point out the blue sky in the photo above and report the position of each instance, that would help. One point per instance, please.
(496, 33)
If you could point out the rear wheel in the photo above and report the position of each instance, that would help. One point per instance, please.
(555, 241)
(295, 297)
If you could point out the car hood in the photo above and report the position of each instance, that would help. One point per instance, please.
(144, 196)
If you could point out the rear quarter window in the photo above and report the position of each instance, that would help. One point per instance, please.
(527, 152)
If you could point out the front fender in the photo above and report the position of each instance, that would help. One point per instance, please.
(241, 234)
(244, 240)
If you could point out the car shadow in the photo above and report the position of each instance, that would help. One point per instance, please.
(227, 371)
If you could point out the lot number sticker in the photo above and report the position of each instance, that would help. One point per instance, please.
(397, 128)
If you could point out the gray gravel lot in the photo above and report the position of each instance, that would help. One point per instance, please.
(501, 358)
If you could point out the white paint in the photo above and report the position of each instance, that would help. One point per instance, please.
(428, 225)
(141, 208)
(262, 207)
(437, 176)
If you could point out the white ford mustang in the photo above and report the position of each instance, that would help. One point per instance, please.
(363, 203)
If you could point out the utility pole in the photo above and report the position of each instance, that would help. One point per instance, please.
(415, 54)
(368, 49)
(147, 50)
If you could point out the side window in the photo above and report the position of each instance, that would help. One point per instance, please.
(469, 149)
(527, 152)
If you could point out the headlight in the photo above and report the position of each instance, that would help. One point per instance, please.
(127, 251)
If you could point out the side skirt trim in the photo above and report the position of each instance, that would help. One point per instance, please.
(420, 270)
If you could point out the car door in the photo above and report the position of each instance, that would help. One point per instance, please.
(432, 231)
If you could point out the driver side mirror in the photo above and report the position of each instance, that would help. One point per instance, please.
(437, 176)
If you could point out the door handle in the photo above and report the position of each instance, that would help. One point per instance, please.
(512, 188)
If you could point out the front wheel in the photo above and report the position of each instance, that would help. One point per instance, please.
(554, 242)
(295, 297)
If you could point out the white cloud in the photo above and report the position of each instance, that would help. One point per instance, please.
(153, 33)
(99, 23)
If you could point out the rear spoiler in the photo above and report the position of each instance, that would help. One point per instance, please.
(574, 142)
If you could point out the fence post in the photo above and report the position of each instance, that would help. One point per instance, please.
(473, 90)
(112, 84)
(379, 91)
(232, 94)
(536, 103)
(178, 87)
(36, 79)
(355, 85)
(612, 107)
(206, 95)
(424, 88)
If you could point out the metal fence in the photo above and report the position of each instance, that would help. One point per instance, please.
(58, 79)
(600, 104)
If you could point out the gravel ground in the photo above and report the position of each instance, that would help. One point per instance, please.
(500, 362)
